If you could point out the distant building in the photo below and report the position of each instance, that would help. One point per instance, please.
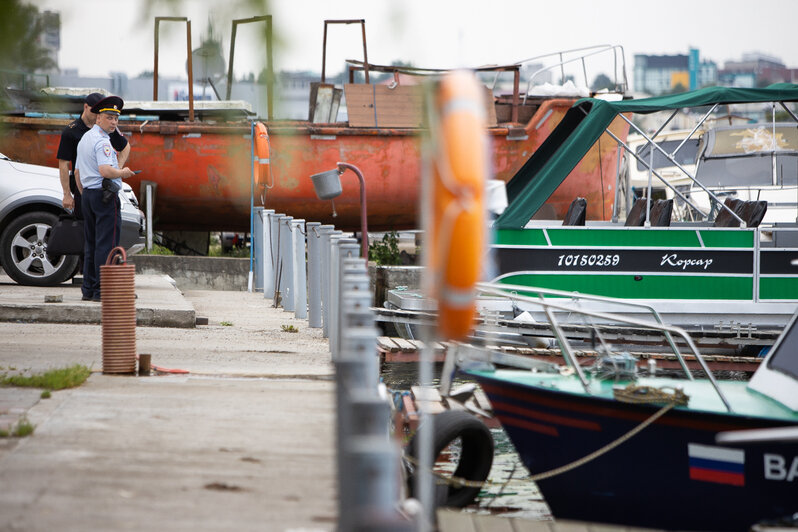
(661, 74)
(756, 70)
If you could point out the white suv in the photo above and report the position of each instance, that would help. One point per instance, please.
(30, 203)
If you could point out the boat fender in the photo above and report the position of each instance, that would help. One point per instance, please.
(457, 213)
(261, 161)
(476, 455)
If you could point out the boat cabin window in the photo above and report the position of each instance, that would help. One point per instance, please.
(749, 156)
(749, 171)
(735, 172)
(686, 155)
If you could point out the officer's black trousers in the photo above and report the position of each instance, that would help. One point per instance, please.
(102, 223)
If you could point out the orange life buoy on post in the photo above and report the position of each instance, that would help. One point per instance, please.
(457, 232)
(261, 161)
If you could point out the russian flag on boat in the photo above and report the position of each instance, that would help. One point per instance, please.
(716, 464)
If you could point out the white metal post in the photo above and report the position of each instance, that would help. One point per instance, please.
(299, 269)
(256, 241)
(287, 254)
(149, 203)
(267, 259)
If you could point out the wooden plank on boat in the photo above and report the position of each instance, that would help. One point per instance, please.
(450, 521)
(370, 105)
(493, 523)
(455, 521)
(387, 344)
(425, 393)
(404, 345)
(378, 106)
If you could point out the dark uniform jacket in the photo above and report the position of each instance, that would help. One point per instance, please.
(68, 148)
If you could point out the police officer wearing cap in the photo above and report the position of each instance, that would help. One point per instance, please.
(101, 178)
(68, 152)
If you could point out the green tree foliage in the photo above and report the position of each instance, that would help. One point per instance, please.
(20, 29)
(21, 51)
(385, 252)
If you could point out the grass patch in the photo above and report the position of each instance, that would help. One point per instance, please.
(157, 249)
(20, 430)
(54, 379)
(46, 394)
(289, 328)
(227, 323)
(236, 253)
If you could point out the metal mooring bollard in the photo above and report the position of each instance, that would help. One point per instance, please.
(368, 460)
(299, 269)
(315, 230)
(347, 248)
(329, 279)
(287, 261)
(274, 239)
(267, 263)
(257, 249)
(118, 299)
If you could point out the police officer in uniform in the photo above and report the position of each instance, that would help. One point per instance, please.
(68, 152)
(101, 178)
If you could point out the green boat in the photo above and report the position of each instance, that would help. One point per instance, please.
(727, 267)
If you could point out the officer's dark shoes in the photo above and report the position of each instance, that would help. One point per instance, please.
(86, 298)
(96, 298)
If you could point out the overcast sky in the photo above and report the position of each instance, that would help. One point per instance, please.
(100, 36)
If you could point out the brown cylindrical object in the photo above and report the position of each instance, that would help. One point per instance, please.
(144, 364)
(117, 288)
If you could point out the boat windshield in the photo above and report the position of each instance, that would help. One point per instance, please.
(785, 358)
(685, 156)
(748, 171)
(751, 156)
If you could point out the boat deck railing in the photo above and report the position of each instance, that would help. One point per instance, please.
(652, 143)
(582, 54)
(550, 304)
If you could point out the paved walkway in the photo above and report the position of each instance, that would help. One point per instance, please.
(244, 441)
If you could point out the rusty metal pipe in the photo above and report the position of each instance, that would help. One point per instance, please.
(190, 66)
(364, 242)
(362, 23)
(190, 73)
(269, 63)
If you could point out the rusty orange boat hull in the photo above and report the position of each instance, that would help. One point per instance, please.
(204, 176)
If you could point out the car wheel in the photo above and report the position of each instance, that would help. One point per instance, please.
(23, 246)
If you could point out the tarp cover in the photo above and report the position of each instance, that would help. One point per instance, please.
(584, 123)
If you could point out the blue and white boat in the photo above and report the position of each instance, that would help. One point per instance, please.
(655, 451)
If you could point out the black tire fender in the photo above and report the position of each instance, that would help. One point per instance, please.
(476, 455)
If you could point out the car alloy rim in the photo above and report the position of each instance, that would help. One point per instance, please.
(29, 251)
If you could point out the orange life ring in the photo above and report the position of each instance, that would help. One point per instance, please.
(457, 235)
(261, 161)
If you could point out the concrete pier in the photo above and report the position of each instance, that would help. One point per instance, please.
(244, 441)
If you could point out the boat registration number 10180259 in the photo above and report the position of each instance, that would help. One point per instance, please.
(589, 260)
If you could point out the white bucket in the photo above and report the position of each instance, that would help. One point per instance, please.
(327, 184)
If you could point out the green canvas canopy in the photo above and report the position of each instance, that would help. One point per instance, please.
(585, 122)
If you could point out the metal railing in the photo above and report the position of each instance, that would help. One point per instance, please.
(517, 292)
(314, 271)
